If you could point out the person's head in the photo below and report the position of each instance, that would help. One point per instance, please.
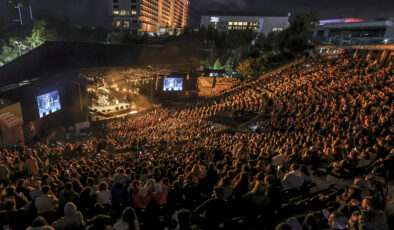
(8, 204)
(295, 167)
(70, 208)
(90, 181)
(244, 177)
(45, 189)
(103, 186)
(260, 176)
(369, 203)
(293, 223)
(129, 216)
(39, 221)
(86, 192)
(269, 180)
(184, 218)
(310, 223)
(354, 220)
(337, 220)
(69, 186)
(283, 226)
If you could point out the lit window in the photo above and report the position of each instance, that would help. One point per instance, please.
(230, 23)
(281, 29)
(230, 28)
(117, 23)
(214, 19)
(235, 23)
(116, 12)
(123, 12)
(245, 23)
(274, 29)
(133, 12)
(126, 23)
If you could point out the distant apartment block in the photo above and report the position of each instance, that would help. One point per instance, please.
(149, 16)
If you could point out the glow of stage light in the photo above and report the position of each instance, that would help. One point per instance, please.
(133, 112)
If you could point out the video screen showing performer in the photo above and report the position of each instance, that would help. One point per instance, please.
(48, 103)
(173, 84)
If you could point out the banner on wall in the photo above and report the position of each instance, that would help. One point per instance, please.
(11, 122)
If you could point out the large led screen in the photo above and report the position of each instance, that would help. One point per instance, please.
(173, 84)
(48, 103)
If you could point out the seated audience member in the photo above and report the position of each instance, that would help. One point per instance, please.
(128, 221)
(39, 223)
(103, 196)
(72, 219)
(294, 178)
(47, 204)
(337, 221)
(371, 217)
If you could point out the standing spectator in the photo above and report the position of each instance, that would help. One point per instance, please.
(31, 165)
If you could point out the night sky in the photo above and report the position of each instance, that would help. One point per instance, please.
(95, 12)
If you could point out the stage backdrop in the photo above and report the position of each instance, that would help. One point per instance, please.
(11, 122)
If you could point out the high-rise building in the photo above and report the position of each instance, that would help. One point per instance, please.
(151, 16)
(19, 12)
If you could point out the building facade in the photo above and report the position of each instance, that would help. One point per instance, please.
(18, 12)
(149, 16)
(357, 31)
(242, 21)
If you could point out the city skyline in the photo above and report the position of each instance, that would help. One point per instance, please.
(99, 15)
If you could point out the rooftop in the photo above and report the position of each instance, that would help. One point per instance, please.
(244, 13)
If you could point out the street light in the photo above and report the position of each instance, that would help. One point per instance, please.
(18, 43)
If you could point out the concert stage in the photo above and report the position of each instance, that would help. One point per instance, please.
(101, 112)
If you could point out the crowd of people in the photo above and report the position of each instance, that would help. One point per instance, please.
(324, 161)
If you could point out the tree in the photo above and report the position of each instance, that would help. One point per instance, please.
(8, 54)
(3, 32)
(229, 66)
(245, 67)
(296, 38)
(217, 65)
(40, 33)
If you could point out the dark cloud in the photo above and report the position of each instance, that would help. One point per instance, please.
(79, 12)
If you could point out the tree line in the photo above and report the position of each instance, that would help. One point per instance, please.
(244, 52)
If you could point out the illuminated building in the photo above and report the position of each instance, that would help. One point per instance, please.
(151, 16)
(354, 31)
(341, 20)
(19, 12)
(226, 21)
